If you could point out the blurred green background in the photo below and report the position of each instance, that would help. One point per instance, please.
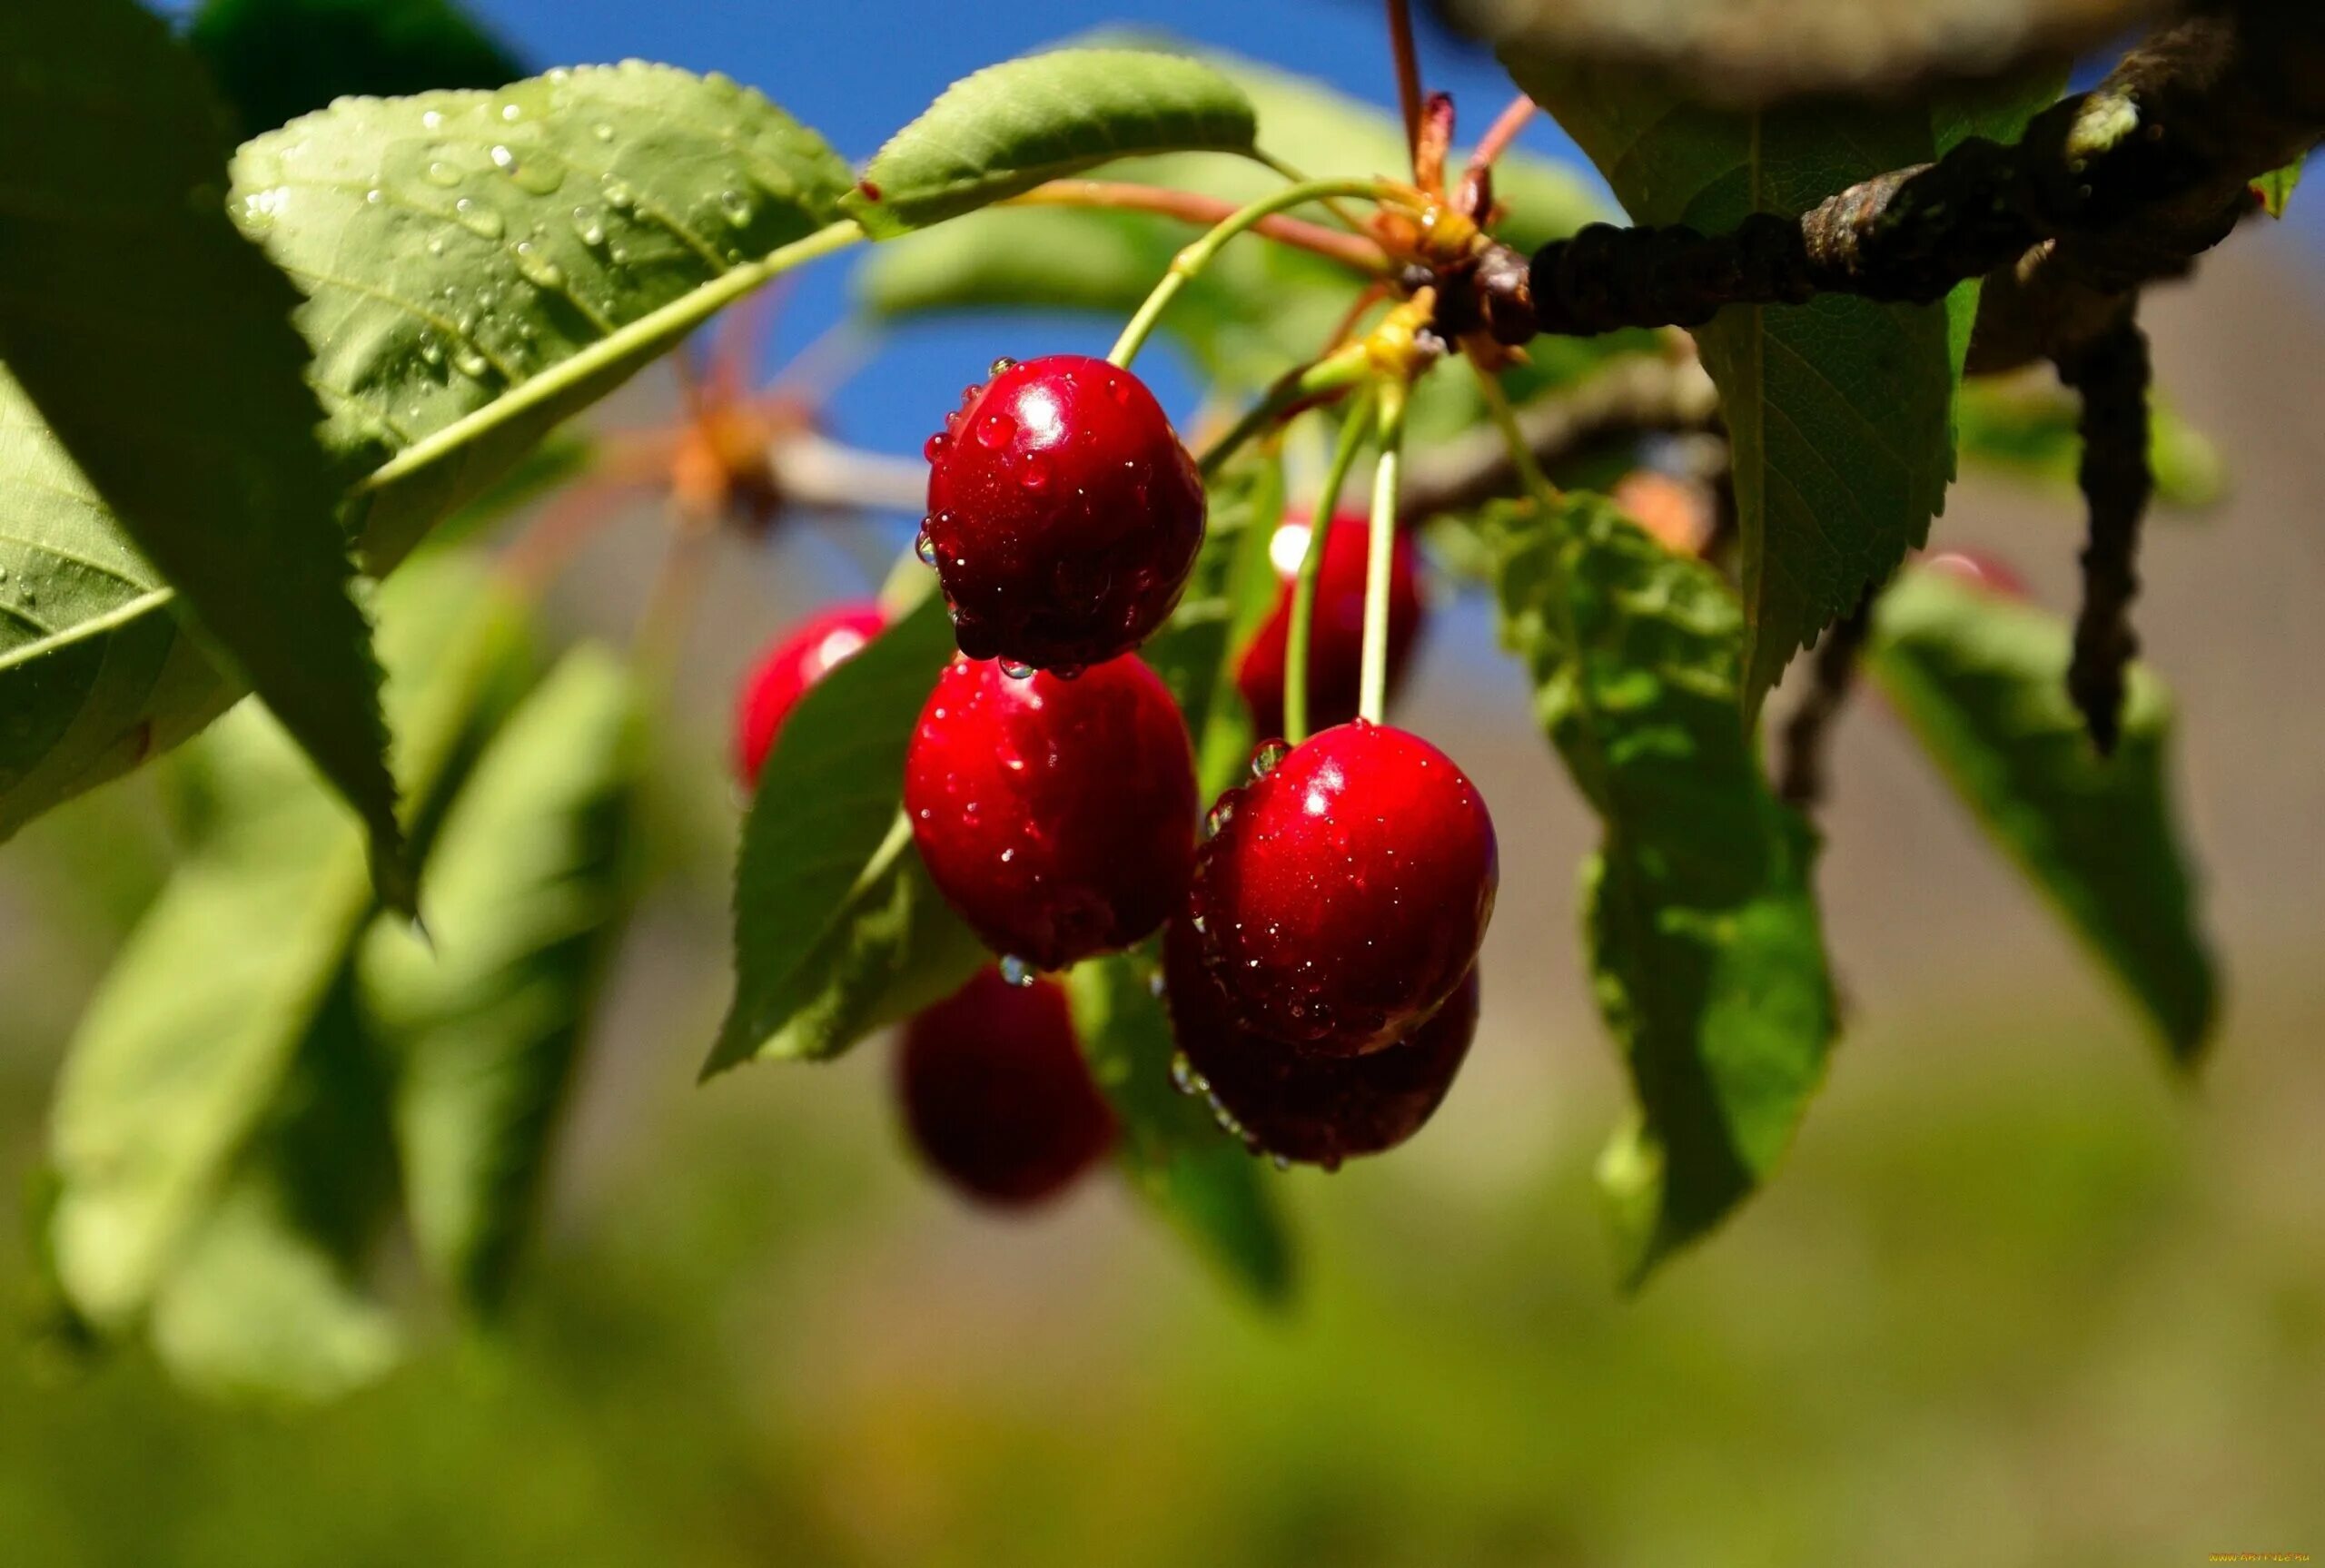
(2016, 1298)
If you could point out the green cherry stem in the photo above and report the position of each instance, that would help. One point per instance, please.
(1373, 694)
(1299, 630)
(1192, 261)
(1345, 367)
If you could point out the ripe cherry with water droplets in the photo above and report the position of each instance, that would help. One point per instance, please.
(1347, 891)
(995, 1093)
(1315, 1109)
(1063, 514)
(1056, 815)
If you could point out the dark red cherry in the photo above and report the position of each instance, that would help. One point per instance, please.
(1345, 893)
(1056, 815)
(1064, 515)
(786, 669)
(996, 1095)
(1319, 1110)
(1336, 638)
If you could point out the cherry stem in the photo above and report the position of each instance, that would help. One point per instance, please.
(1193, 259)
(1407, 64)
(1353, 251)
(1300, 631)
(1373, 699)
(660, 640)
(1500, 135)
(1521, 451)
(1328, 377)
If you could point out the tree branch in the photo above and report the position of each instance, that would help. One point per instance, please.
(2112, 373)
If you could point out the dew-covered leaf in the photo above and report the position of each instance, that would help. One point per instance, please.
(528, 885)
(1982, 681)
(1173, 1154)
(193, 1031)
(1700, 914)
(1009, 127)
(479, 266)
(115, 252)
(1838, 411)
(837, 929)
(274, 59)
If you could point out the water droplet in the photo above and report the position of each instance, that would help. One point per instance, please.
(432, 120)
(430, 350)
(1265, 758)
(1118, 387)
(1000, 365)
(478, 218)
(439, 173)
(1219, 816)
(588, 227)
(1183, 1077)
(924, 548)
(1016, 671)
(933, 447)
(619, 196)
(374, 197)
(1154, 984)
(602, 132)
(1036, 473)
(1017, 971)
(504, 159)
(512, 113)
(470, 363)
(537, 267)
(1281, 1162)
(736, 208)
(995, 429)
(1196, 920)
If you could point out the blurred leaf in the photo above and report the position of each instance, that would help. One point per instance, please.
(1774, 49)
(2275, 188)
(1700, 916)
(1982, 681)
(267, 1299)
(113, 251)
(529, 250)
(1206, 1184)
(564, 457)
(837, 929)
(195, 1029)
(1232, 590)
(2026, 426)
(528, 886)
(1008, 128)
(277, 59)
(1838, 411)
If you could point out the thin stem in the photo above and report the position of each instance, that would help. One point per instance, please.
(1333, 374)
(1192, 261)
(1373, 700)
(1352, 251)
(1521, 451)
(1299, 632)
(1407, 64)
(1267, 160)
(663, 624)
(1501, 133)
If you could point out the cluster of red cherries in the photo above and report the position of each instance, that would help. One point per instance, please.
(1320, 961)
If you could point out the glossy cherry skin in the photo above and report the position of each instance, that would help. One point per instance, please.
(1064, 515)
(1336, 638)
(786, 669)
(1345, 893)
(997, 1096)
(1056, 815)
(1318, 1110)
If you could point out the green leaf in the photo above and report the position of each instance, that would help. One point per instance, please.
(194, 1032)
(274, 59)
(837, 929)
(526, 252)
(96, 671)
(1701, 918)
(114, 250)
(1205, 1183)
(529, 885)
(1232, 588)
(2027, 426)
(1998, 109)
(1009, 127)
(1836, 410)
(268, 1298)
(2275, 188)
(1982, 681)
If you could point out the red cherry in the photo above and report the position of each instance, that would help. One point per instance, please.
(1056, 815)
(1335, 639)
(1346, 893)
(1319, 1110)
(1064, 515)
(786, 669)
(997, 1094)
